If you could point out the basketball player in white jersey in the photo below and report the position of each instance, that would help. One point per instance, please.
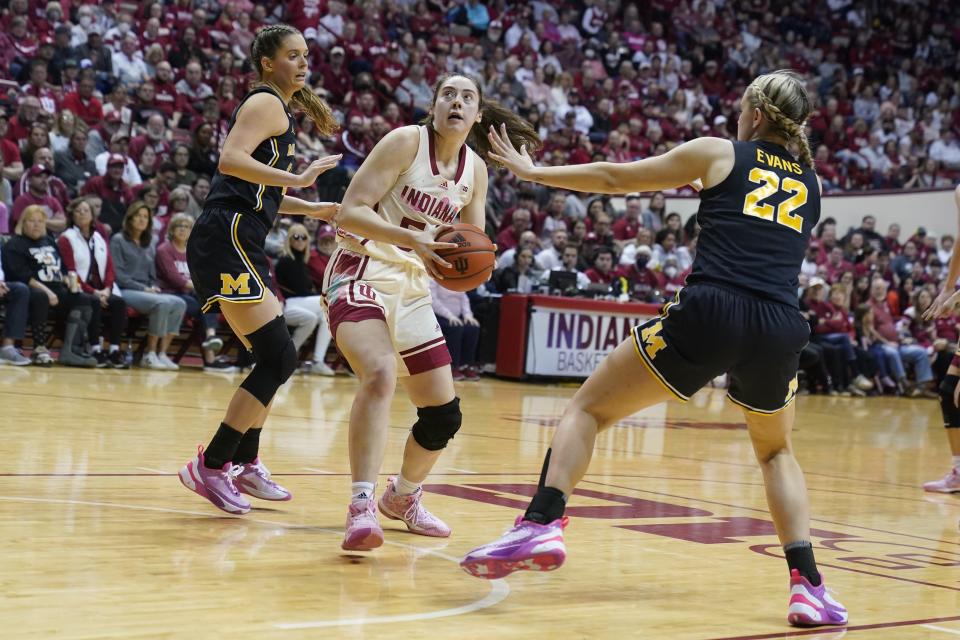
(376, 291)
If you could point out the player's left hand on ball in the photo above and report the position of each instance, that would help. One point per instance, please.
(426, 246)
(325, 211)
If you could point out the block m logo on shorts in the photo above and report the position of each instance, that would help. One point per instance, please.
(461, 265)
(230, 285)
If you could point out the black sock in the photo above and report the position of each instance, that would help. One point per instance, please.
(249, 447)
(800, 557)
(546, 506)
(222, 448)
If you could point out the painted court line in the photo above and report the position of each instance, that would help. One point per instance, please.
(156, 471)
(936, 628)
(499, 589)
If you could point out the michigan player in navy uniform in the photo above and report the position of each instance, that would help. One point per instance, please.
(229, 268)
(738, 315)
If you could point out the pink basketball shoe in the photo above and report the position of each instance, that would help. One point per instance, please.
(411, 512)
(950, 483)
(216, 485)
(812, 606)
(363, 531)
(528, 545)
(254, 480)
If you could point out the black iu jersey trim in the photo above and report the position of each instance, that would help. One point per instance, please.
(263, 201)
(756, 224)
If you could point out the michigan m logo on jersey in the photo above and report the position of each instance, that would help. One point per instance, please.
(230, 285)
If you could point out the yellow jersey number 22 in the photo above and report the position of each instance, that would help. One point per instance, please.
(770, 183)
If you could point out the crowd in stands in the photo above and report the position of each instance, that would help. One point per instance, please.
(112, 115)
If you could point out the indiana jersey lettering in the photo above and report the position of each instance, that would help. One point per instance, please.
(263, 201)
(756, 224)
(421, 198)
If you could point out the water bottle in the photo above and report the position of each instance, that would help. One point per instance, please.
(128, 356)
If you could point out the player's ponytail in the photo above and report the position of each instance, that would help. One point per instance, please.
(265, 45)
(519, 131)
(784, 101)
(317, 109)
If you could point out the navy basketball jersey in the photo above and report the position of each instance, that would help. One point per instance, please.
(756, 224)
(262, 201)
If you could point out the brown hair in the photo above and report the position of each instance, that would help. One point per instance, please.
(127, 225)
(265, 45)
(72, 209)
(783, 100)
(519, 131)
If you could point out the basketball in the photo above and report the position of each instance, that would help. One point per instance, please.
(471, 261)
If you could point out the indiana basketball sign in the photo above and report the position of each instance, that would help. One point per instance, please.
(572, 343)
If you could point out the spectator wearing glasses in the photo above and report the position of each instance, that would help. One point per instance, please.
(302, 302)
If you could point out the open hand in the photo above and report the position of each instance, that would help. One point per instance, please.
(502, 151)
(315, 168)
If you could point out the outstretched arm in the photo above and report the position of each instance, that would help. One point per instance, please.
(297, 207)
(699, 159)
(262, 117)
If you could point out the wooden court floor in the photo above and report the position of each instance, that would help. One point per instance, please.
(669, 537)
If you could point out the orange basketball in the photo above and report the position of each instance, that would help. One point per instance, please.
(471, 261)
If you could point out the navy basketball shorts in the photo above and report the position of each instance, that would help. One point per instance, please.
(226, 258)
(710, 330)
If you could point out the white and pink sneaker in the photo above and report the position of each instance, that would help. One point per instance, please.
(410, 510)
(529, 546)
(950, 483)
(216, 485)
(812, 606)
(254, 479)
(363, 531)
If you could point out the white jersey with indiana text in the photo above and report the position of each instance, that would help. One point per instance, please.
(421, 198)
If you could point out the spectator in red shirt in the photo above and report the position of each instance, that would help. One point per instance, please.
(55, 186)
(165, 92)
(37, 194)
(336, 76)
(836, 264)
(602, 269)
(27, 115)
(355, 144)
(389, 70)
(39, 88)
(834, 327)
(509, 238)
(320, 256)
(114, 193)
(83, 103)
(12, 164)
(644, 283)
(625, 228)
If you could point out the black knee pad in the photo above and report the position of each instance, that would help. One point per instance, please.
(276, 360)
(436, 426)
(951, 414)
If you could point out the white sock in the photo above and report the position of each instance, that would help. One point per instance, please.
(95, 349)
(403, 486)
(362, 490)
(114, 348)
(956, 462)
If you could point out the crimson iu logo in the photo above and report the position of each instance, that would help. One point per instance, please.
(461, 265)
